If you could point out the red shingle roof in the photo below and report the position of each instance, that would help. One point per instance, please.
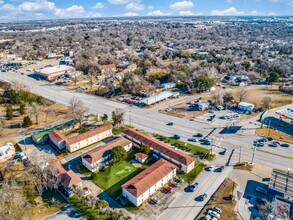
(88, 134)
(57, 164)
(141, 155)
(57, 136)
(102, 151)
(161, 147)
(69, 179)
(148, 178)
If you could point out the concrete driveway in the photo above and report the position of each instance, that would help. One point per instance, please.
(66, 213)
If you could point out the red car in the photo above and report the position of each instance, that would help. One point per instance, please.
(277, 142)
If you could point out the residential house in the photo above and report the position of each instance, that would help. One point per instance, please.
(141, 157)
(145, 184)
(162, 150)
(99, 157)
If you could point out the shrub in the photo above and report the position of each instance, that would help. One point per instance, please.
(27, 122)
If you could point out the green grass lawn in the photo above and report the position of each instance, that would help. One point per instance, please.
(117, 131)
(82, 169)
(196, 150)
(190, 177)
(114, 176)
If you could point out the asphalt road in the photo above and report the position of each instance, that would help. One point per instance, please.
(153, 121)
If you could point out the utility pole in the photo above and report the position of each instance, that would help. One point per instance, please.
(212, 146)
(240, 154)
(252, 159)
(129, 117)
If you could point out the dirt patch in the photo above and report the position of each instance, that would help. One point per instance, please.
(220, 200)
(276, 135)
(243, 166)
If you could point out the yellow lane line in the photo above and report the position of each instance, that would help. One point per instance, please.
(195, 196)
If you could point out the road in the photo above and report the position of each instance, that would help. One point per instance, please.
(153, 121)
(65, 213)
(186, 204)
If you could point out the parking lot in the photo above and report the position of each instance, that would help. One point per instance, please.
(150, 210)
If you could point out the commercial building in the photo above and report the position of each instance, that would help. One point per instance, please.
(182, 160)
(247, 107)
(157, 98)
(53, 72)
(145, 184)
(203, 105)
(168, 85)
(81, 140)
(286, 113)
(99, 157)
(281, 182)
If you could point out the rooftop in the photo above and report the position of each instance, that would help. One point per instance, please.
(57, 136)
(161, 147)
(141, 155)
(103, 151)
(90, 133)
(54, 69)
(70, 179)
(148, 178)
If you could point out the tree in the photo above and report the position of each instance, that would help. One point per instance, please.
(35, 111)
(78, 110)
(265, 209)
(217, 97)
(273, 77)
(27, 122)
(118, 154)
(104, 118)
(227, 97)
(2, 124)
(9, 112)
(242, 95)
(21, 109)
(118, 117)
(145, 148)
(266, 102)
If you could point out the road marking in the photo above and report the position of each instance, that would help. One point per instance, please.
(195, 196)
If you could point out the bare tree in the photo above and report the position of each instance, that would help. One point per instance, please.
(217, 97)
(266, 102)
(118, 117)
(35, 110)
(48, 109)
(78, 110)
(13, 204)
(242, 95)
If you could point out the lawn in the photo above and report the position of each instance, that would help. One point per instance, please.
(117, 131)
(114, 176)
(196, 150)
(190, 177)
(82, 169)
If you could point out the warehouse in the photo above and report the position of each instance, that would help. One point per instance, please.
(157, 98)
(55, 71)
(247, 107)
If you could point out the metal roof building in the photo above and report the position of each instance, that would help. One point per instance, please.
(281, 182)
(286, 113)
(157, 98)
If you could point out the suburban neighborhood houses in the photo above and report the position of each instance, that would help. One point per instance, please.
(163, 113)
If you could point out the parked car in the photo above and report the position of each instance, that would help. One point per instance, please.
(218, 210)
(199, 135)
(263, 140)
(177, 137)
(284, 145)
(277, 142)
(203, 197)
(214, 213)
(211, 168)
(154, 200)
(273, 145)
(261, 190)
(269, 138)
(220, 169)
(170, 123)
(179, 180)
(193, 139)
(207, 217)
(259, 144)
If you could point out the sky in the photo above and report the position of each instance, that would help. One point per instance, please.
(56, 9)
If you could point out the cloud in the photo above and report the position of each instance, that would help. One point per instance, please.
(73, 11)
(130, 14)
(1, 2)
(134, 7)
(228, 11)
(157, 13)
(181, 5)
(272, 14)
(118, 2)
(99, 5)
(37, 6)
(186, 13)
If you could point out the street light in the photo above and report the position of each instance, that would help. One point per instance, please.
(252, 159)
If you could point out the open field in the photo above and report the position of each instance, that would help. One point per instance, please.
(220, 199)
(276, 135)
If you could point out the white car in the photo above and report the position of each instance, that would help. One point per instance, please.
(261, 190)
(214, 214)
(207, 217)
(193, 139)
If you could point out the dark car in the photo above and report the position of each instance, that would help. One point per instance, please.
(170, 123)
(177, 137)
(269, 138)
(199, 135)
(203, 197)
(284, 145)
